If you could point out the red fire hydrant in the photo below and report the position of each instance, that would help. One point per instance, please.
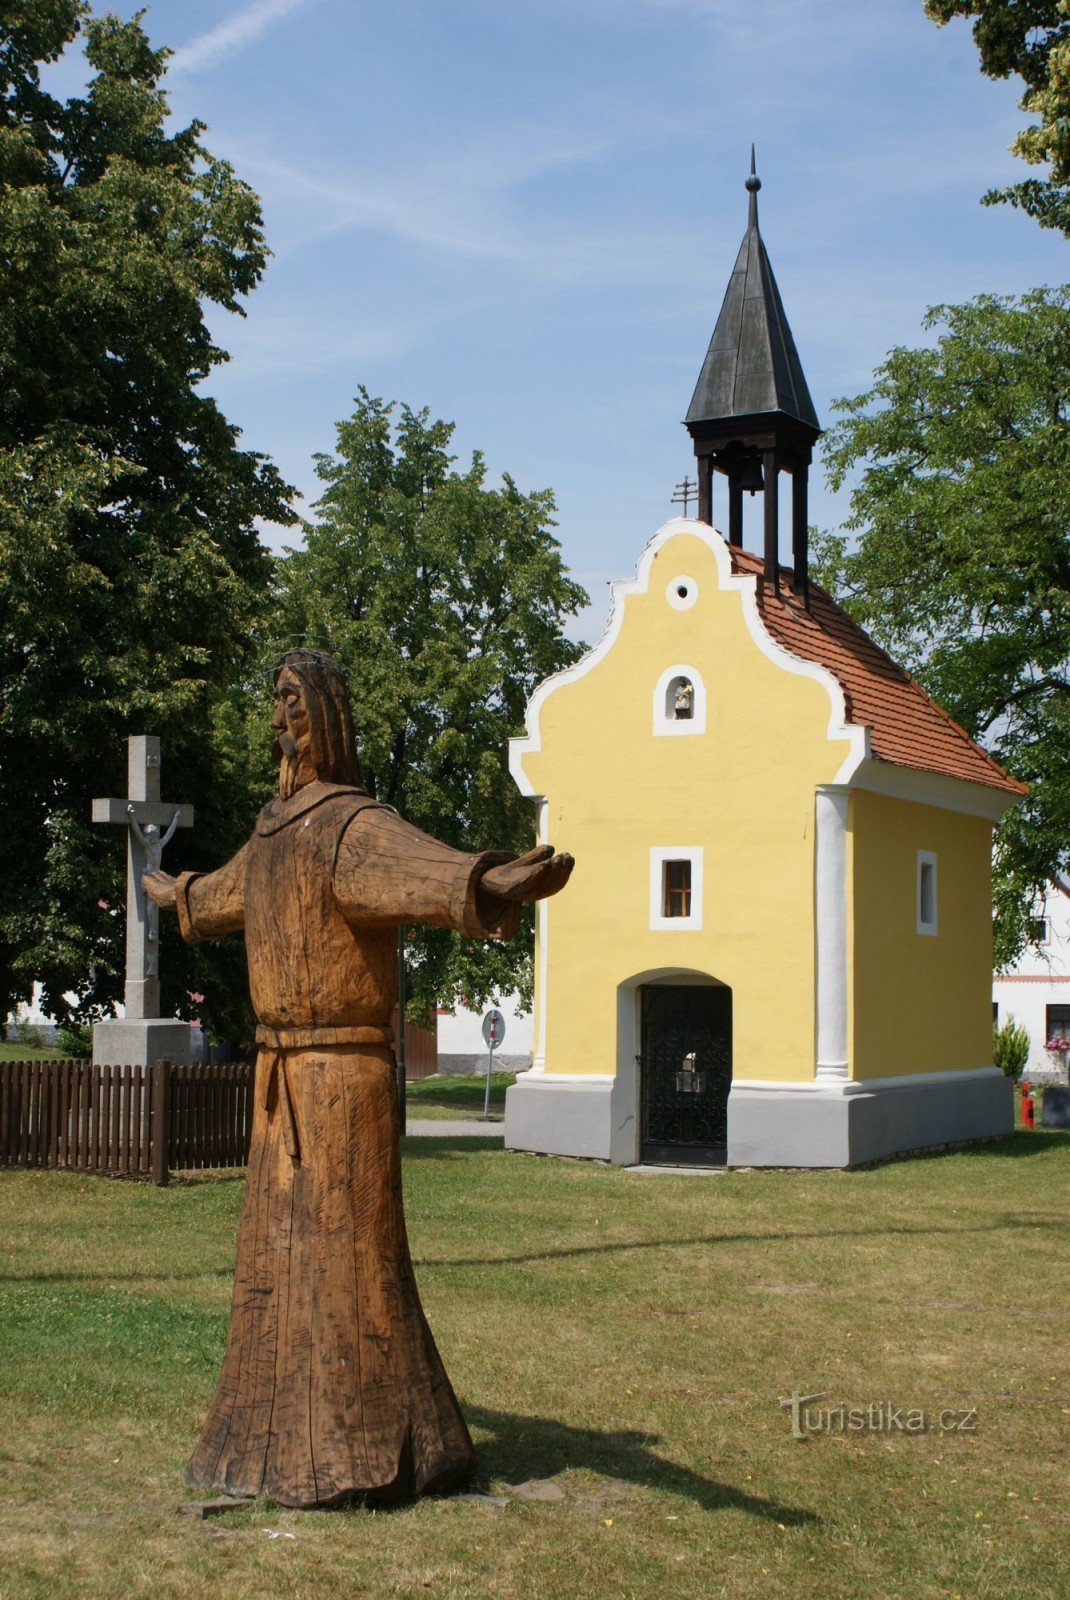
(1027, 1107)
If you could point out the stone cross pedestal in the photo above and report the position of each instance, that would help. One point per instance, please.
(142, 1036)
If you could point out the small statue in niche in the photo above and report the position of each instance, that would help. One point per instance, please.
(331, 1385)
(683, 700)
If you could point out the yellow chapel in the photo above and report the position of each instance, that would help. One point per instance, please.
(776, 948)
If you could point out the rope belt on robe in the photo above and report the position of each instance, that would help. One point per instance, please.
(276, 1042)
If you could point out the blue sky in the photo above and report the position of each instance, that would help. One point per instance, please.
(524, 216)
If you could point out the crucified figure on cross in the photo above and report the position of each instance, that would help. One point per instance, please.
(152, 843)
(150, 822)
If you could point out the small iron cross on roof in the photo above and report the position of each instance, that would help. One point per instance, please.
(683, 493)
(149, 822)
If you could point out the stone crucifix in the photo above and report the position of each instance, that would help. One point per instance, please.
(149, 822)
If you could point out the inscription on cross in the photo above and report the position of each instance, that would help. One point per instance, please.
(149, 823)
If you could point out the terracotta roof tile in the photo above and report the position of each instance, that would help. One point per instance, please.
(906, 727)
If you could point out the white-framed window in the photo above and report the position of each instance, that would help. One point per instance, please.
(925, 892)
(679, 701)
(681, 592)
(676, 887)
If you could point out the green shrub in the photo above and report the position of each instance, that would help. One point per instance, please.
(27, 1033)
(1010, 1048)
(75, 1040)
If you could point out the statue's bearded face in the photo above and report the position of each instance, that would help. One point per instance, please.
(293, 737)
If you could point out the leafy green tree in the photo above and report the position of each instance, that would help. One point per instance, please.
(1029, 39)
(961, 568)
(131, 575)
(444, 599)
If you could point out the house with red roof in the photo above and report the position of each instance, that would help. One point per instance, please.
(1035, 991)
(776, 948)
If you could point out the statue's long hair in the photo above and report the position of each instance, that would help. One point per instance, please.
(334, 742)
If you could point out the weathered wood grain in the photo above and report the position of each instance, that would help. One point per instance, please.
(331, 1385)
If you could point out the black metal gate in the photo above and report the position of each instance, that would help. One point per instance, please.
(686, 1073)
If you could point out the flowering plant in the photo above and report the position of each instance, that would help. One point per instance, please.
(1059, 1047)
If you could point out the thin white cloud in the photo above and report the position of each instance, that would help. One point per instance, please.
(467, 202)
(233, 35)
(278, 343)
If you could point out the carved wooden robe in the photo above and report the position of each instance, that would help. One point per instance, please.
(331, 1384)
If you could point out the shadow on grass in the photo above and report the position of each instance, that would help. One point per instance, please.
(782, 1236)
(434, 1147)
(1024, 1142)
(532, 1447)
(116, 1277)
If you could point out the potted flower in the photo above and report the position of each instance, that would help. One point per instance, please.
(1058, 1047)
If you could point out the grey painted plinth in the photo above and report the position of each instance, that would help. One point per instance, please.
(851, 1123)
(141, 1041)
(842, 1123)
(559, 1116)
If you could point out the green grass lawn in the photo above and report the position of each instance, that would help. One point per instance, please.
(623, 1338)
(25, 1052)
(437, 1098)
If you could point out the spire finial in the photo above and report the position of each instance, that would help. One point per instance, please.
(754, 183)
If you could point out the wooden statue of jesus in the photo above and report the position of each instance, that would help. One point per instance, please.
(331, 1384)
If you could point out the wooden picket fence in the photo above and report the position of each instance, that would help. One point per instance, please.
(421, 1048)
(125, 1121)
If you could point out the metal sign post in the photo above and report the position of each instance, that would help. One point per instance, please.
(493, 1034)
(399, 1053)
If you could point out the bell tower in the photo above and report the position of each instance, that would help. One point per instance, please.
(751, 416)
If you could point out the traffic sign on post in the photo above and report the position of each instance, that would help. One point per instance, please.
(493, 1034)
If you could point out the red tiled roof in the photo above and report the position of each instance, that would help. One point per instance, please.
(906, 727)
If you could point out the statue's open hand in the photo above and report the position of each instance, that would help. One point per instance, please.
(534, 876)
(162, 888)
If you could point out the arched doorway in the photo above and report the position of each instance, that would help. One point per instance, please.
(685, 1073)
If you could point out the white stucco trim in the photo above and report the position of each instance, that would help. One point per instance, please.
(859, 768)
(830, 932)
(674, 726)
(542, 965)
(743, 584)
(681, 592)
(659, 854)
(852, 1086)
(568, 1080)
(933, 789)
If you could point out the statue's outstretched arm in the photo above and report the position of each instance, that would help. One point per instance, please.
(389, 873)
(208, 903)
(161, 888)
(534, 876)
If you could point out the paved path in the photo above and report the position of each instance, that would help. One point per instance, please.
(470, 1128)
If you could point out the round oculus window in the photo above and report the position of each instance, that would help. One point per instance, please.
(682, 593)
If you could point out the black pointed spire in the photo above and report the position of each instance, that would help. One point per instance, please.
(752, 186)
(751, 416)
(752, 366)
